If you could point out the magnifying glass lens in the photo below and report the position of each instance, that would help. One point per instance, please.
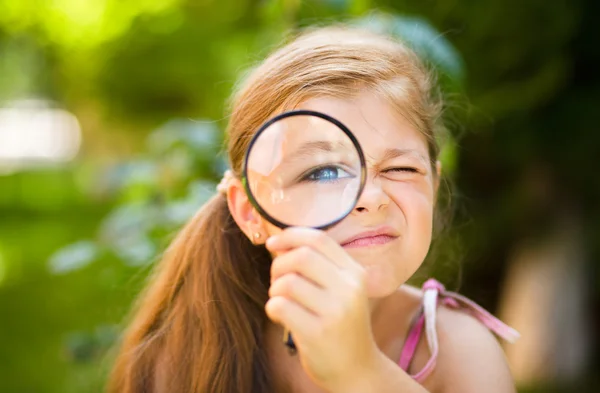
(304, 170)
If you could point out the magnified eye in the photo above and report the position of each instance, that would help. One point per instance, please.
(326, 174)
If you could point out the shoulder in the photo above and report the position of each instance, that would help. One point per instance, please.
(470, 357)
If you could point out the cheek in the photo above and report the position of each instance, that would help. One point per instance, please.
(415, 205)
(415, 202)
(271, 229)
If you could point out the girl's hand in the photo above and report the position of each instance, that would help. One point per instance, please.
(318, 292)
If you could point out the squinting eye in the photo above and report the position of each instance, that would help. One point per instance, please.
(402, 169)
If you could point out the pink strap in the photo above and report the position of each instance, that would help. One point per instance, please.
(410, 346)
(432, 290)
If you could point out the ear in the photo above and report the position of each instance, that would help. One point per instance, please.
(244, 214)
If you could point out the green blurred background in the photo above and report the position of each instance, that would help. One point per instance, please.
(111, 123)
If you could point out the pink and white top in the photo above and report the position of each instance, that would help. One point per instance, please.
(435, 293)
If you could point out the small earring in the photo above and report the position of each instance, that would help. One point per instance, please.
(256, 236)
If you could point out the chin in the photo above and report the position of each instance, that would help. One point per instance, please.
(381, 282)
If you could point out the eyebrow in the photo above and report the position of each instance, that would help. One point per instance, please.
(309, 148)
(395, 152)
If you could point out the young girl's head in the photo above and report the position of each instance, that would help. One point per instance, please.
(382, 93)
(199, 325)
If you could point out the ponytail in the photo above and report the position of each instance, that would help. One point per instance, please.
(199, 324)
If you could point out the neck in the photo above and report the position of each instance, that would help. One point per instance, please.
(375, 305)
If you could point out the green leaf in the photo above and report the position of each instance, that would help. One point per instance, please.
(201, 136)
(73, 257)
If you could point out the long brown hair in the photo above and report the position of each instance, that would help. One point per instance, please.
(199, 325)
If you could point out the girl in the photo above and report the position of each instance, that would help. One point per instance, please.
(212, 317)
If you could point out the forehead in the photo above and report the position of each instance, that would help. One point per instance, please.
(299, 140)
(374, 122)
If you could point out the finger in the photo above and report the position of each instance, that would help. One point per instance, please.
(302, 291)
(295, 237)
(307, 262)
(291, 315)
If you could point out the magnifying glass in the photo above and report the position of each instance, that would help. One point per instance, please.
(303, 168)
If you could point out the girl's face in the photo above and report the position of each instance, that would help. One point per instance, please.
(389, 231)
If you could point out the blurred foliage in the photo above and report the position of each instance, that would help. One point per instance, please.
(76, 242)
(156, 193)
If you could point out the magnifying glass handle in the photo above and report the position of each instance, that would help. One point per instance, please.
(289, 342)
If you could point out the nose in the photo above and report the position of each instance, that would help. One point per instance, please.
(373, 198)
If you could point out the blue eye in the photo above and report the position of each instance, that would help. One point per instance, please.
(326, 174)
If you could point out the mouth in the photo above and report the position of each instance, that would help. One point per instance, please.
(371, 238)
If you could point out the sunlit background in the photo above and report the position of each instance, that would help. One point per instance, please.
(111, 123)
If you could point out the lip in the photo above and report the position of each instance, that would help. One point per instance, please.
(374, 237)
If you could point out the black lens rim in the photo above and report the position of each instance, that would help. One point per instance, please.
(302, 112)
